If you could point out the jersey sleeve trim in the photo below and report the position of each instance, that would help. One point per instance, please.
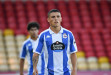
(37, 52)
(73, 52)
(22, 57)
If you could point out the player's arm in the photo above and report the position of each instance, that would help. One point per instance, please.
(35, 62)
(37, 51)
(74, 63)
(73, 50)
(22, 58)
(21, 66)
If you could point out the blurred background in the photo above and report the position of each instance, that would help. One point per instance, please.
(89, 20)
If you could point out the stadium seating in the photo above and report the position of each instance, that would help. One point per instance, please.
(89, 21)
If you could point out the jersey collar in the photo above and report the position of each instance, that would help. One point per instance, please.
(31, 39)
(51, 32)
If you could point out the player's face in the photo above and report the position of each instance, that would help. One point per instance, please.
(33, 32)
(55, 19)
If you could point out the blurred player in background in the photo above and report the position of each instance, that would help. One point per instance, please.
(27, 49)
(57, 43)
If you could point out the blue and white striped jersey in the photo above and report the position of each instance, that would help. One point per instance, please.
(27, 50)
(57, 48)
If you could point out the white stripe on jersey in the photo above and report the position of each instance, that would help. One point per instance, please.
(58, 62)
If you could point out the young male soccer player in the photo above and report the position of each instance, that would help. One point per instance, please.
(27, 49)
(57, 43)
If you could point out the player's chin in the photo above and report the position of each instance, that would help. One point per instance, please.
(33, 36)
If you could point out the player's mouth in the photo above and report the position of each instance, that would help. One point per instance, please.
(56, 22)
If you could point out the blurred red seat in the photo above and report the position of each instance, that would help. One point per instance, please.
(31, 14)
(97, 42)
(18, 2)
(98, 25)
(88, 25)
(107, 36)
(79, 47)
(90, 54)
(88, 48)
(42, 19)
(2, 19)
(96, 18)
(32, 19)
(75, 19)
(101, 54)
(29, 2)
(11, 19)
(61, 2)
(86, 18)
(108, 48)
(106, 12)
(44, 25)
(9, 8)
(10, 14)
(65, 19)
(21, 14)
(8, 2)
(99, 48)
(19, 31)
(108, 25)
(19, 8)
(94, 31)
(40, 7)
(22, 25)
(109, 54)
(50, 5)
(12, 25)
(73, 12)
(77, 25)
(41, 14)
(2, 26)
(40, 2)
(107, 18)
(85, 36)
(86, 42)
(66, 25)
(107, 43)
(30, 8)
(22, 19)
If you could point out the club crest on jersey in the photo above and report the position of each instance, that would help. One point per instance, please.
(48, 36)
(57, 46)
(64, 35)
(29, 44)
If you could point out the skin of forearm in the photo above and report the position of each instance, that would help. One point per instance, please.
(35, 60)
(74, 63)
(21, 66)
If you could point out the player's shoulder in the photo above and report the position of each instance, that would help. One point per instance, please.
(44, 32)
(67, 31)
(26, 41)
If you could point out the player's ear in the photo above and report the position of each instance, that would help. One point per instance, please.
(48, 19)
(61, 19)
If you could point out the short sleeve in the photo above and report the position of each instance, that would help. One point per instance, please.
(73, 46)
(23, 52)
(39, 46)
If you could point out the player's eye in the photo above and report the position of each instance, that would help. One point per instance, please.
(58, 16)
(53, 17)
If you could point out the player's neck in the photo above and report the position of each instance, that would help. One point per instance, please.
(34, 38)
(55, 29)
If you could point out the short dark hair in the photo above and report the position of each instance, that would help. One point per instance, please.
(32, 24)
(53, 10)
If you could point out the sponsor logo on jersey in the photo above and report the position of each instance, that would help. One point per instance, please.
(57, 46)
